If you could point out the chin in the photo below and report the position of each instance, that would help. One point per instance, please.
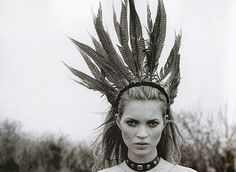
(142, 152)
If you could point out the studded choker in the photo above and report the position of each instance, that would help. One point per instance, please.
(142, 166)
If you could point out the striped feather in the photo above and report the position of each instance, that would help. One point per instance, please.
(111, 73)
(124, 23)
(174, 81)
(93, 68)
(93, 84)
(136, 39)
(116, 25)
(122, 35)
(174, 71)
(99, 48)
(108, 46)
(170, 63)
(149, 19)
(157, 39)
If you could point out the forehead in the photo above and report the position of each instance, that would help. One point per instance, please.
(143, 109)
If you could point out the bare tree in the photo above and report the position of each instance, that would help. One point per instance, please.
(209, 141)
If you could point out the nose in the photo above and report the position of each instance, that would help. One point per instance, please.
(142, 132)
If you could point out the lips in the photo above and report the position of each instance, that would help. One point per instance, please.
(141, 143)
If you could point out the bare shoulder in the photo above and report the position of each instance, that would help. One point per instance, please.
(179, 168)
(111, 169)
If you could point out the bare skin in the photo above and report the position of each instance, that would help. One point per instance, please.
(141, 125)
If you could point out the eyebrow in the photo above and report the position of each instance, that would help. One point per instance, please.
(130, 118)
(154, 119)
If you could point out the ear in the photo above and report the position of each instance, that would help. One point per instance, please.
(117, 120)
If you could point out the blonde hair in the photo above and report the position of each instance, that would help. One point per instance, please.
(110, 148)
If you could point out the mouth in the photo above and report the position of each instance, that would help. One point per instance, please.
(141, 143)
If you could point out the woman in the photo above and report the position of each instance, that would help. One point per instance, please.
(139, 133)
(146, 130)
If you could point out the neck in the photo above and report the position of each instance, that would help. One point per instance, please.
(142, 158)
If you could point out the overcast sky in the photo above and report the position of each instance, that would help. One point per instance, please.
(36, 88)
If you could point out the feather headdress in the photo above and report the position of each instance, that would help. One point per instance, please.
(137, 62)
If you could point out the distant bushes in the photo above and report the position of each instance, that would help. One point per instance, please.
(210, 142)
(210, 145)
(19, 153)
(9, 142)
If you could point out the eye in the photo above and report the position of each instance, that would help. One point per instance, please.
(132, 123)
(152, 124)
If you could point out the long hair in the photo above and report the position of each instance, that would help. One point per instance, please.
(110, 148)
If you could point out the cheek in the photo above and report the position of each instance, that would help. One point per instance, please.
(127, 134)
(156, 135)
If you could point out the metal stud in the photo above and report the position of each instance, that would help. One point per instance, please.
(155, 162)
(148, 166)
(140, 167)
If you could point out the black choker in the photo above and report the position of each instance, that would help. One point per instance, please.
(142, 166)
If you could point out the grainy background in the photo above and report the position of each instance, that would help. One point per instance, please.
(36, 89)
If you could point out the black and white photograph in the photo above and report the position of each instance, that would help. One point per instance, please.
(117, 86)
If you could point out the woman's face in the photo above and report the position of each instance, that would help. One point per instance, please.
(141, 125)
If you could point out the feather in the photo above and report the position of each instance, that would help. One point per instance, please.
(136, 39)
(101, 51)
(88, 80)
(127, 56)
(123, 38)
(92, 83)
(157, 39)
(149, 19)
(108, 46)
(116, 25)
(174, 82)
(170, 63)
(174, 71)
(99, 48)
(98, 58)
(93, 68)
(111, 73)
(124, 23)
